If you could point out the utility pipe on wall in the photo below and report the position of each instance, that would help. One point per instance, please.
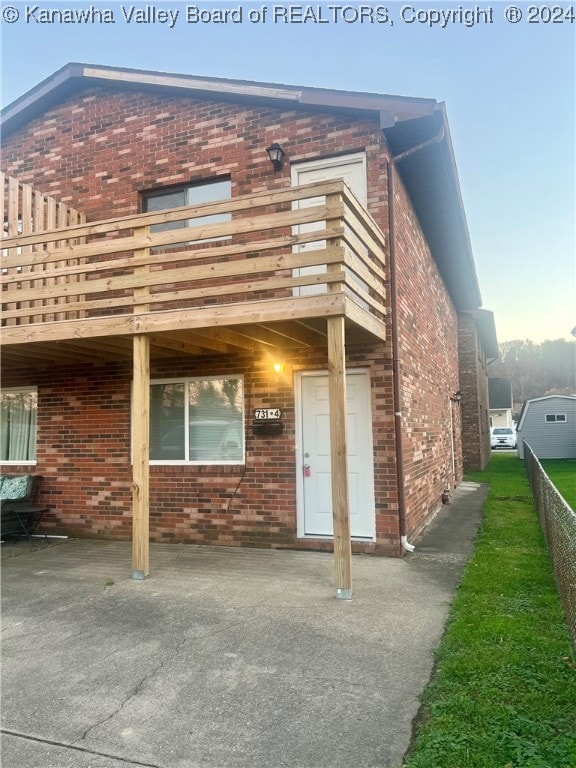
(450, 406)
(400, 476)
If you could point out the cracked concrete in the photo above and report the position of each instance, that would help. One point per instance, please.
(223, 658)
(134, 692)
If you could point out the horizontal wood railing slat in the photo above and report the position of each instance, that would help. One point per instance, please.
(185, 275)
(173, 257)
(56, 273)
(241, 203)
(174, 238)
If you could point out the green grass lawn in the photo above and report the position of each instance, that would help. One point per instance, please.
(503, 694)
(562, 472)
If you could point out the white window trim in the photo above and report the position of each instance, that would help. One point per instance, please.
(22, 462)
(185, 462)
(559, 418)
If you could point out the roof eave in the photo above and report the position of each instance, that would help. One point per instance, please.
(75, 75)
(436, 196)
(443, 220)
(486, 326)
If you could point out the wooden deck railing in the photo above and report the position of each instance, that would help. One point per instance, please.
(307, 251)
(29, 211)
(26, 210)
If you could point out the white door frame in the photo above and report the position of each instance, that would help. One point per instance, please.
(360, 190)
(332, 162)
(299, 454)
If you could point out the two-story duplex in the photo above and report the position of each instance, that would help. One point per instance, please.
(234, 312)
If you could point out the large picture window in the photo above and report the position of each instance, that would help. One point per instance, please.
(18, 416)
(197, 421)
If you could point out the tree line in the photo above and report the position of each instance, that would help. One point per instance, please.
(536, 370)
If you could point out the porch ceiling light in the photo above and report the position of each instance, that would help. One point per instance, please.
(276, 155)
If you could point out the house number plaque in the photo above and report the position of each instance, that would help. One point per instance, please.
(267, 414)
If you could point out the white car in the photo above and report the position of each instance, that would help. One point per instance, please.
(502, 437)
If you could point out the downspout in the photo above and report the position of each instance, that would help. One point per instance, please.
(452, 400)
(400, 476)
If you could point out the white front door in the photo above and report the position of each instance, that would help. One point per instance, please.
(350, 168)
(313, 456)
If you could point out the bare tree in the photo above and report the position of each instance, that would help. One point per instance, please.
(536, 370)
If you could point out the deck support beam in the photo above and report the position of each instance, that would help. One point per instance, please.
(141, 457)
(339, 457)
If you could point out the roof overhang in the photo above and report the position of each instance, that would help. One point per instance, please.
(429, 174)
(74, 76)
(425, 161)
(486, 329)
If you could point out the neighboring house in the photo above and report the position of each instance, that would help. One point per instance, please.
(500, 400)
(185, 359)
(548, 425)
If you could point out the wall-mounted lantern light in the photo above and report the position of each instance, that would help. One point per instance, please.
(276, 155)
(456, 397)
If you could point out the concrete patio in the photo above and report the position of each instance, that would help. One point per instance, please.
(223, 658)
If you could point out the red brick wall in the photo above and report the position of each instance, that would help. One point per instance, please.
(97, 152)
(84, 456)
(474, 386)
(428, 364)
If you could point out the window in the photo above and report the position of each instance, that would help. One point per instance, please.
(197, 421)
(18, 425)
(194, 194)
(553, 418)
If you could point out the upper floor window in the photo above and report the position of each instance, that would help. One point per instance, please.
(211, 191)
(553, 418)
(18, 425)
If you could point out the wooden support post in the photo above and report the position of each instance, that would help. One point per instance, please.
(141, 458)
(339, 458)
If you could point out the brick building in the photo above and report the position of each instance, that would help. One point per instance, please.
(477, 348)
(296, 355)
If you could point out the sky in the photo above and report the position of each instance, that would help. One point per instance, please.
(506, 73)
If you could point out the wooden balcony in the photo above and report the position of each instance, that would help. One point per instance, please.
(270, 271)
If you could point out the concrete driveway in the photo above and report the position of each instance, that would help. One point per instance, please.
(223, 658)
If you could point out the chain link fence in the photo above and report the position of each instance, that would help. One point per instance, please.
(558, 521)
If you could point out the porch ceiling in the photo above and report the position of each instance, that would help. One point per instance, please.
(264, 338)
